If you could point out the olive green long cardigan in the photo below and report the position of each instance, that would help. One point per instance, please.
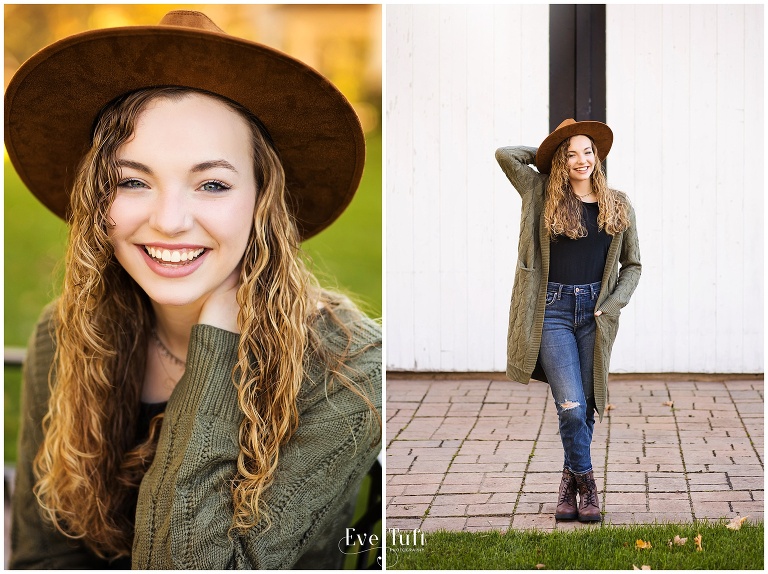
(526, 311)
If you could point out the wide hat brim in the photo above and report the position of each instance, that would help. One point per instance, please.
(55, 96)
(600, 133)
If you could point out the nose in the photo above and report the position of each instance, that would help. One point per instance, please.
(171, 214)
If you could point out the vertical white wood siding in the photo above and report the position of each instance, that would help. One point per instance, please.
(460, 82)
(685, 100)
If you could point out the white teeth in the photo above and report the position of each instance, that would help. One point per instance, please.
(176, 256)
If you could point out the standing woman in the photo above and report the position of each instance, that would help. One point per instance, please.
(193, 400)
(569, 290)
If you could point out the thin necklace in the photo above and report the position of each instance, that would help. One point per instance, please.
(585, 195)
(165, 351)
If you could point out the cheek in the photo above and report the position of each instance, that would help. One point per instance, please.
(233, 222)
(242, 229)
(245, 223)
(124, 214)
(116, 221)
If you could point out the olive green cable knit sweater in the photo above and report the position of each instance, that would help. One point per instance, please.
(184, 508)
(526, 311)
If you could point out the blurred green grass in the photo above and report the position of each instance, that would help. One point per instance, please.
(346, 257)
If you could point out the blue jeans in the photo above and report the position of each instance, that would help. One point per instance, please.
(566, 355)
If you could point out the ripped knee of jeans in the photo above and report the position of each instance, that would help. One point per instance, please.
(568, 405)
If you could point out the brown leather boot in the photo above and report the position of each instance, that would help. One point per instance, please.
(589, 503)
(566, 500)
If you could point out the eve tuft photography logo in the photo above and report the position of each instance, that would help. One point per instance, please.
(399, 541)
(358, 543)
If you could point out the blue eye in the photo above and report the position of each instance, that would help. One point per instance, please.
(214, 186)
(131, 184)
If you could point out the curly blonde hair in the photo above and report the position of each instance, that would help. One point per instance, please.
(90, 444)
(563, 209)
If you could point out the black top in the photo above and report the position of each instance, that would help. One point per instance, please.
(580, 261)
(147, 411)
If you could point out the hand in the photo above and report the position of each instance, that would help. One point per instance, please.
(598, 313)
(220, 308)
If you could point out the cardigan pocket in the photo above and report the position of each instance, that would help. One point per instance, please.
(607, 327)
(522, 277)
(523, 267)
(610, 306)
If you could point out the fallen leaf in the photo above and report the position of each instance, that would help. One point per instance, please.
(735, 523)
(641, 544)
(668, 403)
(609, 407)
(677, 541)
(539, 566)
(697, 540)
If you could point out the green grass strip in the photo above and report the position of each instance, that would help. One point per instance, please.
(588, 548)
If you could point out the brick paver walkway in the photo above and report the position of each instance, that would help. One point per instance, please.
(486, 454)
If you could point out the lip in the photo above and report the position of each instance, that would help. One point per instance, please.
(173, 246)
(172, 271)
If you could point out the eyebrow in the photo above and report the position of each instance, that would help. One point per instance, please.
(134, 165)
(206, 165)
(200, 167)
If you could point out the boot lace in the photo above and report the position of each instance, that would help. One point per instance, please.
(591, 493)
(567, 488)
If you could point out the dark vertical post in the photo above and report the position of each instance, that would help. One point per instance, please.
(576, 63)
(562, 63)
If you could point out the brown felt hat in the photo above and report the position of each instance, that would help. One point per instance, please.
(53, 99)
(600, 133)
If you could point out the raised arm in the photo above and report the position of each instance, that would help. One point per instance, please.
(515, 161)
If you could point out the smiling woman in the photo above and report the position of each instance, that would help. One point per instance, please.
(186, 190)
(209, 405)
(569, 291)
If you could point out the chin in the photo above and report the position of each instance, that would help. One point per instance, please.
(172, 299)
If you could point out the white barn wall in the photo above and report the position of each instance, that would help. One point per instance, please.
(461, 81)
(685, 100)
